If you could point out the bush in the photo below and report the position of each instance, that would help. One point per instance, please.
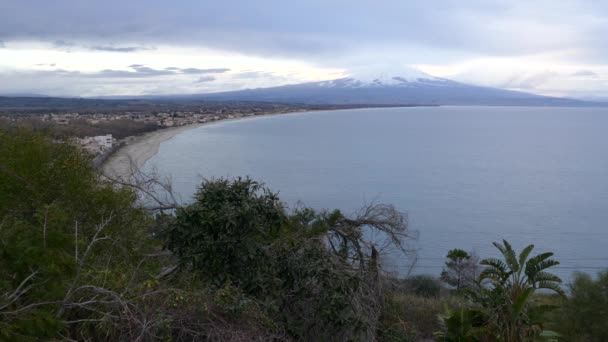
(504, 306)
(423, 286)
(78, 260)
(460, 270)
(65, 235)
(224, 235)
(408, 317)
(584, 314)
(312, 271)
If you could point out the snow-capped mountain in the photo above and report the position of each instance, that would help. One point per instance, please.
(405, 77)
(403, 87)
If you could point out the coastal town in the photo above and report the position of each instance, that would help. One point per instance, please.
(112, 131)
(100, 133)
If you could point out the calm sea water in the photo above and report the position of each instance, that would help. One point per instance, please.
(466, 176)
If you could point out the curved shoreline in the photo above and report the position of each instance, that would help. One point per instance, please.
(139, 149)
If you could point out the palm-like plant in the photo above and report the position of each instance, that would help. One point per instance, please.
(512, 314)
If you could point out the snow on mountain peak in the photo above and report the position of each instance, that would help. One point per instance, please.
(373, 77)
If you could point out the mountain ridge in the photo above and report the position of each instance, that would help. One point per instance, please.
(393, 90)
(407, 88)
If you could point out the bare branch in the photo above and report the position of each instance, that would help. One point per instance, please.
(19, 291)
(156, 193)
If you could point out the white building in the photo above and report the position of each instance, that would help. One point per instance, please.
(96, 145)
(104, 141)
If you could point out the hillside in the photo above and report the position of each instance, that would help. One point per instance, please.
(395, 89)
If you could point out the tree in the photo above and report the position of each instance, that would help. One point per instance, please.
(505, 299)
(314, 271)
(512, 312)
(460, 269)
(224, 234)
(423, 285)
(584, 314)
(70, 244)
(461, 324)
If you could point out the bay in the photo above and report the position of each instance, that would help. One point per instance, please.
(466, 176)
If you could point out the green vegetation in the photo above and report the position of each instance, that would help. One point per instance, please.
(82, 258)
(584, 314)
(503, 307)
(119, 129)
(461, 269)
(66, 238)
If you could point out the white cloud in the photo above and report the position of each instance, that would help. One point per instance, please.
(539, 46)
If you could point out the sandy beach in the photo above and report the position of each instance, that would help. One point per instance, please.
(139, 149)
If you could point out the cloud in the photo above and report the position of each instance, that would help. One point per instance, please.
(111, 73)
(203, 71)
(69, 45)
(253, 75)
(530, 81)
(2, 44)
(318, 29)
(320, 34)
(119, 49)
(584, 73)
(141, 71)
(204, 79)
(62, 44)
(60, 82)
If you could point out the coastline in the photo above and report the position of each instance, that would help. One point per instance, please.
(137, 150)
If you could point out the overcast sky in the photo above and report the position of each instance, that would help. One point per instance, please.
(112, 47)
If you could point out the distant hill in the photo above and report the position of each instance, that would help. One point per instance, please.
(408, 87)
(61, 103)
(386, 89)
(16, 105)
(22, 95)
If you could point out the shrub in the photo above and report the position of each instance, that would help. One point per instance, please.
(584, 314)
(312, 271)
(460, 270)
(224, 235)
(423, 286)
(408, 317)
(65, 237)
(504, 307)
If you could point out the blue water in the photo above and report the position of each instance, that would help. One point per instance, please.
(466, 176)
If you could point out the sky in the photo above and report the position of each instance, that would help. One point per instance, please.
(153, 47)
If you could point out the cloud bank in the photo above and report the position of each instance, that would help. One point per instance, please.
(570, 36)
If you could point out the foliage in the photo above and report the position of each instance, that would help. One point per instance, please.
(584, 314)
(509, 303)
(461, 325)
(408, 317)
(224, 234)
(119, 128)
(460, 269)
(80, 259)
(312, 271)
(510, 312)
(65, 237)
(423, 286)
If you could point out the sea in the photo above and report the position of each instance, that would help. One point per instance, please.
(465, 176)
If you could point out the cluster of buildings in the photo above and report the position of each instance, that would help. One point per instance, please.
(101, 145)
(97, 145)
(163, 119)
